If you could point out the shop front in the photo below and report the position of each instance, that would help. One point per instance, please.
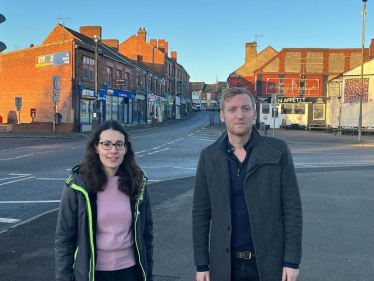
(118, 106)
(156, 107)
(139, 113)
(292, 112)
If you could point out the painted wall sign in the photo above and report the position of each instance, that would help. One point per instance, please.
(53, 59)
(292, 86)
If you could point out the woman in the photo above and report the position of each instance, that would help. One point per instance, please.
(104, 228)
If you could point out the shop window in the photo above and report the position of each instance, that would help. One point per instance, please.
(86, 109)
(299, 109)
(265, 108)
(114, 108)
(318, 112)
(276, 112)
(286, 108)
(108, 107)
(138, 78)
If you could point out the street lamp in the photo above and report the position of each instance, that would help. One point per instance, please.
(362, 71)
(96, 120)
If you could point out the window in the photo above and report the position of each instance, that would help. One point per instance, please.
(286, 108)
(318, 111)
(138, 77)
(88, 69)
(299, 109)
(109, 72)
(127, 78)
(265, 108)
(144, 79)
(119, 74)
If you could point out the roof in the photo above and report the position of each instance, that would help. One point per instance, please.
(213, 88)
(106, 50)
(198, 86)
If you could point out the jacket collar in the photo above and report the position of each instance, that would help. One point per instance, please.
(262, 153)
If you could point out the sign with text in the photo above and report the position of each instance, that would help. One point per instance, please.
(18, 101)
(56, 84)
(53, 59)
(293, 86)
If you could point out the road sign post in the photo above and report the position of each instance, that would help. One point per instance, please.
(56, 89)
(18, 102)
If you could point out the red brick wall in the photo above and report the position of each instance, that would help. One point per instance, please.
(20, 78)
(90, 31)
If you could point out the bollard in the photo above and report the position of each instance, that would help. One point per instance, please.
(266, 130)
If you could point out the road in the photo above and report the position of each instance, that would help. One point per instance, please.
(335, 175)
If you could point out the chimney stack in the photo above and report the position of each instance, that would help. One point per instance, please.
(142, 34)
(163, 46)
(250, 51)
(173, 55)
(113, 43)
(153, 42)
(90, 31)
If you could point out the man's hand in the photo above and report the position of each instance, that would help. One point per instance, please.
(289, 274)
(203, 276)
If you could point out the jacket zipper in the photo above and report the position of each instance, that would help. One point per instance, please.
(136, 241)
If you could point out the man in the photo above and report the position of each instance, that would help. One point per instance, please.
(247, 217)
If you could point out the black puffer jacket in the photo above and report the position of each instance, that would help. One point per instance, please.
(75, 251)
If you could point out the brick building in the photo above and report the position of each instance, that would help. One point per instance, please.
(299, 77)
(168, 73)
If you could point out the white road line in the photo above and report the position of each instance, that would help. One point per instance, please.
(154, 180)
(150, 153)
(5, 220)
(24, 155)
(29, 202)
(52, 179)
(203, 139)
(11, 178)
(191, 134)
(12, 174)
(17, 180)
(137, 156)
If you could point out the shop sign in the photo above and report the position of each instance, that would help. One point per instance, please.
(291, 100)
(292, 86)
(334, 89)
(53, 59)
(139, 97)
(177, 100)
(88, 94)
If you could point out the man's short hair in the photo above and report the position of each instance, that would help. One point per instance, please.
(230, 92)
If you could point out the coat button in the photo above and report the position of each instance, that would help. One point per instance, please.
(228, 228)
(227, 250)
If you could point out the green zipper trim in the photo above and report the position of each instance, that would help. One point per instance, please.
(75, 256)
(92, 262)
(140, 197)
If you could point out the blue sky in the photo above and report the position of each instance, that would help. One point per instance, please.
(208, 35)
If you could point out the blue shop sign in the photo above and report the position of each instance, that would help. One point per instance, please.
(102, 95)
(123, 94)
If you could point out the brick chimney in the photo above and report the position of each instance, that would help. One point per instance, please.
(153, 42)
(90, 31)
(173, 55)
(371, 49)
(163, 46)
(250, 52)
(113, 43)
(142, 34)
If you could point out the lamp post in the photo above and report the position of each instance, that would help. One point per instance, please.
(362, 71)
(96, 114)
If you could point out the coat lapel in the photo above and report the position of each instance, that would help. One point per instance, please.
(262, 153)
(222, 163)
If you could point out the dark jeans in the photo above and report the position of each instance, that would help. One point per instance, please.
(127, 274)
(244, 270)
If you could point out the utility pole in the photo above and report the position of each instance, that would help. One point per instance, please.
(362, 72)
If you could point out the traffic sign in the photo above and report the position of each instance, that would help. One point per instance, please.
(33, 113)
(56, 84)
(56, 98)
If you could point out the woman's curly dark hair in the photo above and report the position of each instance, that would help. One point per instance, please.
(129, 173)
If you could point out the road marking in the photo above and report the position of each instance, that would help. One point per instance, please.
(203, 139)
(29, 202)
(5, 220)
(17, 180)
(158, 151)
(154, 180)
(19, 174)
(52, 179)
(10, 178)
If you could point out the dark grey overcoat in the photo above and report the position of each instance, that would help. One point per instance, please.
(274, 206)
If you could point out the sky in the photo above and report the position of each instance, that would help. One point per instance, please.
(208, 35)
